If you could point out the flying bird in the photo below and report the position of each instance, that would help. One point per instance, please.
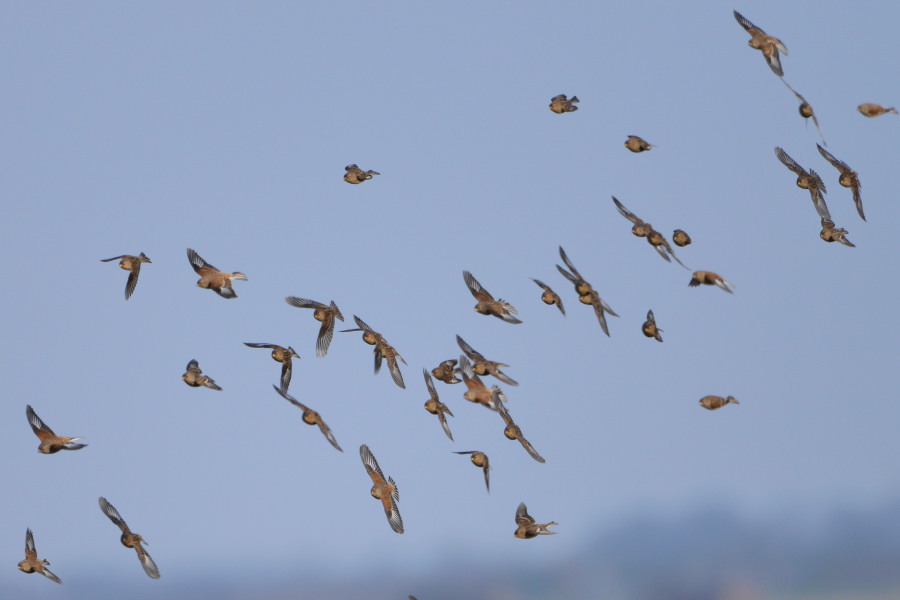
(212, 278)
(806, 111)
(325, 314)
(482, 366)
(681, 238)
(50, 442)
(560, 105)
(384, 490)
(716, 402)
(641, 228)
(637, 144)
(849, 178)
(310, 417)
(356, 175)
(480, 459)
(435, 406)
(768, 45)
(808, 181)
(33, 564)
(382, 350)
(710, 278)
(550, 297)
(446, 372)
(513, 432)
(830, 233)
(476, 391)
(650, 329)
(129, 539)
(486, 303)
(283, 355)
(194, 377)
(527, 528)
(132, 264)
(875, 110)
(586, 293)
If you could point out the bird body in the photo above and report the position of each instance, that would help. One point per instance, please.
(194, 377)
(132, 264)
(324, 314)
(50, 442)
(560, 105)
(767, 44)
(716, 402)
(130, 539)
(356, 175)
(435, 406)
(382, 489)
(212, 278)
(33, 564)
(710, 278)
(650, 329)
(527, 528)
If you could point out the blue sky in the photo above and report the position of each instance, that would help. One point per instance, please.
(225, 127)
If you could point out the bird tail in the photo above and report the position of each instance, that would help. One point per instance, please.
(239, 276)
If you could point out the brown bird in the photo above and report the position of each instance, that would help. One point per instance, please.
(659, 242)
(194, 377)
(480, 459)
(806, 111)
(325, 314)
(527, 528)
(132, 264)
(716, 402)
(310, 417)
(283, 355)
(446, 372)
(650, 329)
(356, 175)
(435, 406)
(586, 293)
(681, 238)
(384, 490)
(710, 278)
(129, 539)
(486, 303)
(768, 45)
(875, 110)
(50, 442)
(476, 391)
(550, 297)
(808, 181)
(513, 432)
(849, 178)
(212, 278)
(637, 144)
(830, 233)
(482, 366)
(640, 227)
(560, 105)
(33, 564)
(382, 350)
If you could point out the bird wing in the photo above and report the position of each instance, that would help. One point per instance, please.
(371, 465)
(627, 213)
(789, 162)
(200, 266)
(30, 551)
(149, 566)
(110, 511)
(39, 427)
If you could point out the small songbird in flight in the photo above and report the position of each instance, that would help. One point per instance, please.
(830, 233)
(33, 564)
(356, 175)
(806, 111)
(637, 144)
(716, 402)
(325, 314)
(310, 417)
(513, 432)
(710, 278)
(650, 329)
(527, 528)
(480, 459)
(586, 293)
(681, 238)
(283, 355)
(560, 105)
(382, 350)
(194, 377)
(550, 297)
(768, 45)
(482, 366)
(807, 180)
(849, 178)
(50, 442)
(382, 489)
(212, 278)
(129, 539)
(132, 264)
(435, 406)
(476, 391)
(446, 372)
(486, 303)
(875, 110)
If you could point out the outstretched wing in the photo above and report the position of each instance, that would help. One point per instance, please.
(789, 162)
(39, 427)
(110, 511)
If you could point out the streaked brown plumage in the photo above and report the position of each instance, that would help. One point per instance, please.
(637, 144)
(486, 303)
(768, 45)
(549, 296)
(446, 372)
(808, 181)
(849, 178)
(710, 278)
(586, 293)
(325, 314)
(716, 402)
(641, 228)
(212, 278)
(662, 247)
(513, 432)
(194, 377)
(356, 175)
(132, 264)
(681, 238)
(382, 489)
(870, 109)
(527, 528)
(482, 366)
(480, 459)
(130, 539)
(280, 354)
(50, 442)
(559, 104)
(33, 564)
(806, 111)
(435, 406)
(310, 417)
(830, 233)
(476, 391)
(649, 327)
(382, 350)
